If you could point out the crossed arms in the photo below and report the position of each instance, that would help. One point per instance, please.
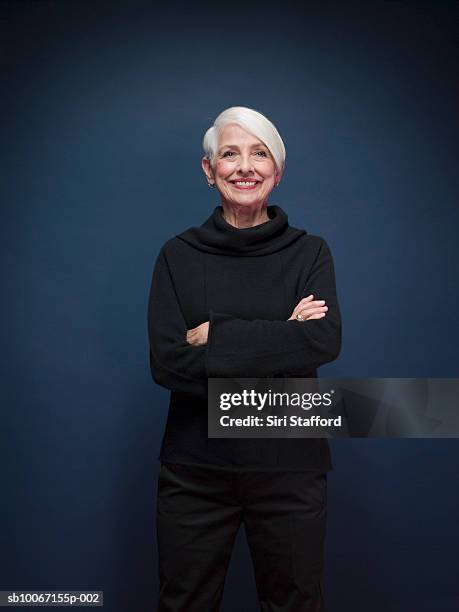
(182, 359)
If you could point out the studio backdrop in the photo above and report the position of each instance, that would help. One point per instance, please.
(104, 106)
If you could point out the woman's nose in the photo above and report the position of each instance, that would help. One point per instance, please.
(245, 163)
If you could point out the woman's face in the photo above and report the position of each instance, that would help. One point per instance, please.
(244, 171)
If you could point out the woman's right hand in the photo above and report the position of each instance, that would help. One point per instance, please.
(309, 308)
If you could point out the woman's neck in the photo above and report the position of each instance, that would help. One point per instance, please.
(243, 216)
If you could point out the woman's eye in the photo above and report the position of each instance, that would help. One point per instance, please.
(231, 154)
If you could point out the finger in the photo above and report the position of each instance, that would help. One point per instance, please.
(310, 304)
(306, 312)
(313, 309)
(306, 299)
(316, 303)
(304, 302)
(317, 316)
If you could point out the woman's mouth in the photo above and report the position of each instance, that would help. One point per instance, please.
(245, 184)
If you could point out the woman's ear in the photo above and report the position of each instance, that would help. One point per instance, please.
(206, 166)
(279, 176)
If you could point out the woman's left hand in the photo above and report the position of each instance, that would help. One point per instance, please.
(198, 335)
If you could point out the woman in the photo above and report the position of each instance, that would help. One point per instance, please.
(243, 295)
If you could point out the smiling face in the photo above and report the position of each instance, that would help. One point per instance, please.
(244, 171)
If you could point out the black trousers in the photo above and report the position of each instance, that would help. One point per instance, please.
(199, 512)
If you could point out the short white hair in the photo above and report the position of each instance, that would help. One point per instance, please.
(252, 121)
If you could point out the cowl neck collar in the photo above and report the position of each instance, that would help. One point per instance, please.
(218, 236)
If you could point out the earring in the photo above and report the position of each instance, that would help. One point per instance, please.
(211, 184)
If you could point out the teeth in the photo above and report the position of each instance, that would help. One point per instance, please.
(245, 183)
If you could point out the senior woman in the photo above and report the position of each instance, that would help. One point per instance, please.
(245, 294)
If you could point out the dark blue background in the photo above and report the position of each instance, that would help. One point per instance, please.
(104, 106)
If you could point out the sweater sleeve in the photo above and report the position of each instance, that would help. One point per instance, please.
(262, 348)
(174, 363)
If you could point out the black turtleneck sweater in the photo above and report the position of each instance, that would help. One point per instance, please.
(246, 283)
